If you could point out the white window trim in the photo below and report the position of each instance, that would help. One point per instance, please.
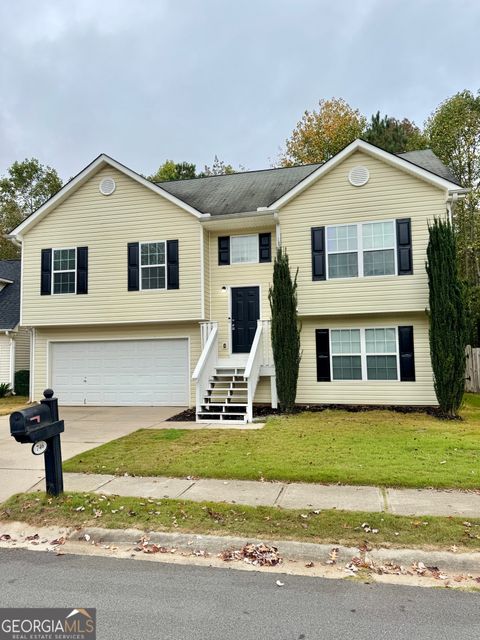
(164, 264)
(246, 235)
(360, 249)
(54, 271)
(363, 353)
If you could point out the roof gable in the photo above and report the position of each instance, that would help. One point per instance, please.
(404, 164)
(75, 183)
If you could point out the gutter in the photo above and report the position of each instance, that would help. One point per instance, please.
(243, 214)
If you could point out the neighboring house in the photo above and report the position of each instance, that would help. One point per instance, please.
(14, 340)
(145, 294)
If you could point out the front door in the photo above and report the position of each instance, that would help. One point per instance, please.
(245, 313)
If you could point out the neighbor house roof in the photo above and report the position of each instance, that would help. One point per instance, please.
(251, 190)
(238, 192)
(10, 294)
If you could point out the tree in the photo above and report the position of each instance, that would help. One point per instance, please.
(285, 330)
(26, 187)
(171, 170)
(454, 131)
(218, 168)
(321, 134)
(395, 136)
(448, 321)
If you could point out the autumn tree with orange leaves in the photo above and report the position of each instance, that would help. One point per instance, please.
(321, 134)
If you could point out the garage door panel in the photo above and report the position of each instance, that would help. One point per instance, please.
(129, 372)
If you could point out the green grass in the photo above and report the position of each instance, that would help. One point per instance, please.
(12, 403)
(329, 526)
(381, 448)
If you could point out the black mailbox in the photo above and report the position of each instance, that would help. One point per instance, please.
(34, 424)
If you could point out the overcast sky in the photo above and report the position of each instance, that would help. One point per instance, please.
(147, 80)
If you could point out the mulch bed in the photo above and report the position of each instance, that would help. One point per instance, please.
(265, 410)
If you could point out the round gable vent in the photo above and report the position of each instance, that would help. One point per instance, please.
(107, 186)
(358, 176)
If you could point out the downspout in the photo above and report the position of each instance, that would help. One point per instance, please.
(12, 359)
(452, 198)
(32, 363)
(278, 233)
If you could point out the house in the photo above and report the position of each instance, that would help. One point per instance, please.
(14, 340)
(149, 294)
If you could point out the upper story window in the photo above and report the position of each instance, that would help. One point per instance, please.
(247, 249)
(153, 265)
(64, 269)
(362, 250)
(366, 249)
(243, 249)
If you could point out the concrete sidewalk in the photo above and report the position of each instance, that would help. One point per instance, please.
(414, 502)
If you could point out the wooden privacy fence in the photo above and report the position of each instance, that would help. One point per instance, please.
(472, 373)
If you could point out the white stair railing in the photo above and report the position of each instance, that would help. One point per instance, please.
(206, 329)
(206, 363)
(252, 369)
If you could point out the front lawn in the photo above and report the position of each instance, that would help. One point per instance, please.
(12, 403)
(328, 526)
(382, 448)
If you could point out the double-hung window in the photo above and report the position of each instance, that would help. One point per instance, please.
(152, 265)
(364, 354)
(381, 353)
(346, 354)
(364, 249)
(64, 269)
(378, 244)
(342, 248)
(243, 249)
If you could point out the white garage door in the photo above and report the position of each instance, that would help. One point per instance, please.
(120, 372)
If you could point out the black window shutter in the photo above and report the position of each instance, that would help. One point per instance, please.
(82, 269)
(404, 247)
(322, 345)
(46, 273)
(318, 254)
(173, 280)
(133, 266)
(407, 355)
(224, 250)
(265, 247)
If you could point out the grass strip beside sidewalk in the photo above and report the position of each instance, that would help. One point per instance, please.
(328, 526)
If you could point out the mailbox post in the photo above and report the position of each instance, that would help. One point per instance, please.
(40, 426)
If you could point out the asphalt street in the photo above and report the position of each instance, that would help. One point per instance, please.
(136, 599)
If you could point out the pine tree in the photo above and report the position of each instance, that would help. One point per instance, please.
(448, 318)
(285, 330)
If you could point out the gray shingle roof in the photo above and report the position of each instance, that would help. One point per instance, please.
(238, 192)
(426, 159)
(10, 294)
(241, 192)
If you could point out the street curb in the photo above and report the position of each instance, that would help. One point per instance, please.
(288, 549)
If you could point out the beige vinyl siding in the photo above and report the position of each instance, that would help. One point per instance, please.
(106, 224)
(206, 273)
(236, 275)
(44, 336)
(5, 369)
(379, 392)
(389, 194)
(22, 349)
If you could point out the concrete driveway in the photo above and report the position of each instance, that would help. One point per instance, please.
(85, 428)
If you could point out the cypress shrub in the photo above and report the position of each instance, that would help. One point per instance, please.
(285, 330)
(448, 317)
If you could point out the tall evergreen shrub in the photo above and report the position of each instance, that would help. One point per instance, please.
(448, 317)
(285, 330)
